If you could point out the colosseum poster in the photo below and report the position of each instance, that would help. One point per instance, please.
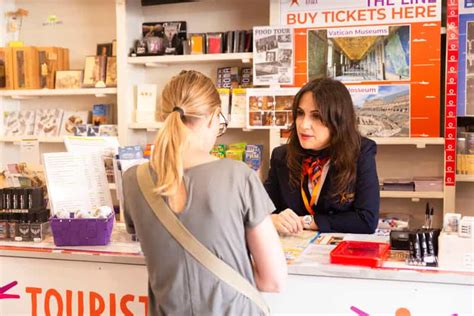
(382, 110)
(398, 43)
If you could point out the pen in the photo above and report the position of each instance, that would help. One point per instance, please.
(427, 215)
(431, 217)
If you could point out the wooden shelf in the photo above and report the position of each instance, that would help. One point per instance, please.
(465, 178)
(14, 139)
(419, 142)
(30, 94)
(414, 196)
(158, 125)
(159, 61)
(147, 126)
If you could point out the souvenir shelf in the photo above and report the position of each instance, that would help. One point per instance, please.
(159, 61)
(29, 94)
(15, 139)
(415, 196)
(158, 125)
(419, 142)
(465, 177)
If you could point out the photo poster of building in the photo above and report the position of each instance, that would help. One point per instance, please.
(372, 42)
(360, 54)
(382, 110)
(465, 106)
(273, 55)
(269, 108)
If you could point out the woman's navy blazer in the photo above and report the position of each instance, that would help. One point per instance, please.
(356, 211)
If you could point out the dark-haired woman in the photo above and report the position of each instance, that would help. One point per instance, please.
(325, 178)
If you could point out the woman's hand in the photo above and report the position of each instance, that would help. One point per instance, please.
(287, 222)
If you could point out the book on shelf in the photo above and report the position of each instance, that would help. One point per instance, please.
(108, 130)
(228, 77)
(81, 130)
(65, 58)
(111, 73)
(234, 77)
(48, 122)
(71, 119)
(31, 67)
(95, 69)
(102, 114)
(6, 68)
(428, 184)
(398, 185)
(246, 77)
(224, 94)
(26, 73)
(238, 107)
(19, 123)
(146, 97)
(92, 130)
(51, 59)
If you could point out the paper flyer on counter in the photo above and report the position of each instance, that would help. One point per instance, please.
(270, 108)
(273, 55)
(76, 181)
(465, 106)
(294, 245)
(371, 42)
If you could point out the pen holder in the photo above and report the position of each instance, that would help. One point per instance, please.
(423, 247)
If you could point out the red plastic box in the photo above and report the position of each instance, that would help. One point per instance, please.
(360, 253)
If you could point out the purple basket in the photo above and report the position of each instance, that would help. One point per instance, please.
(82, 231)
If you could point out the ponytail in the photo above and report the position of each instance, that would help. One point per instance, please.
(167, 156)
(186, 99)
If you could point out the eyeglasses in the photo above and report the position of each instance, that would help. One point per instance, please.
(223, 123)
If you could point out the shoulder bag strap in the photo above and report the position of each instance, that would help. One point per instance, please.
(195, 248)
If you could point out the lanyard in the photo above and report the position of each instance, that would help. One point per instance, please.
(312, 174)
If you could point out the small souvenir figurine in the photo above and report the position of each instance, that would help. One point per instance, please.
(140, 47)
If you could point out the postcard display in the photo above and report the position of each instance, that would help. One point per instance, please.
(387, 52)
(466, 59)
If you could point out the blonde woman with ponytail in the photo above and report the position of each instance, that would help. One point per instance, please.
(220, 201)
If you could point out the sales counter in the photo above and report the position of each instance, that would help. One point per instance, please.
(112, 280)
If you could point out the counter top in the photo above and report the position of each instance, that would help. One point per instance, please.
(314, 261)
(120, 249)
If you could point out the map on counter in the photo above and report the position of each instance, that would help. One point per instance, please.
(294, 245)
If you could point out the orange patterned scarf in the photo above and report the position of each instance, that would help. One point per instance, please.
(312, 169)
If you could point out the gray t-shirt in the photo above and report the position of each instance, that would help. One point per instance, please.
(224, 197)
